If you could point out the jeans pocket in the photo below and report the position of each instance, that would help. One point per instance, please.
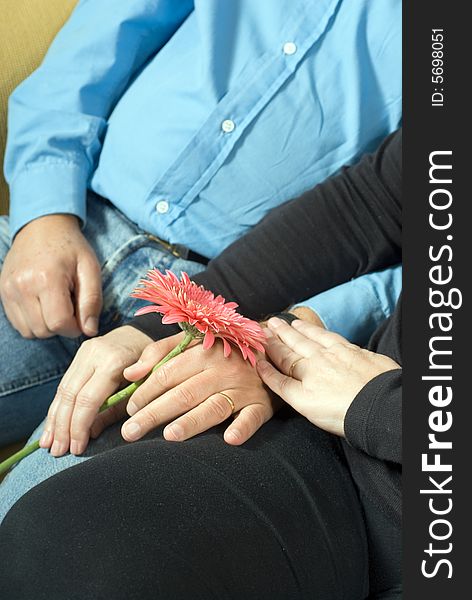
(125, 268)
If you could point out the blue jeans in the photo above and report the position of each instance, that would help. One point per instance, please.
(30, 370)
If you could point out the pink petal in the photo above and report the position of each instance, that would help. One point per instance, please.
(170, 319)
(146, 309)
(182, 300)
(226, 348)
(258, 346)
(251, 357)
(209, 340)
(231, 304)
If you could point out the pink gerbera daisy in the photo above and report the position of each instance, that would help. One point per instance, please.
(197, 310)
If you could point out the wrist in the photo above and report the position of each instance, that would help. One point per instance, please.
(286, 316)
(130, 335)
(55, 221)
(305, 313)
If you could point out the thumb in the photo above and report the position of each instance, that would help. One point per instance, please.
(150, 356)
(88, 295)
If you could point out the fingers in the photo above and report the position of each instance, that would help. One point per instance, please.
(44, 313)
(79, 395)
(247, 422)
(57, 429)
(305, 313)
(319, 334)
(283, 357)
(106, 418)
(168, 376)
(17, 320)
(74, 410)
(95, 373)
(295, 340)
(150, 357)
(173, 403)
(305, 338)
(213, 411)
(58, 312)
(88, 294)
(87, 404)
(282, 385)
(30, 310)
(15, 291)
(58, 424)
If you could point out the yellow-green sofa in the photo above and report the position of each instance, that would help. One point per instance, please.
(27, 27)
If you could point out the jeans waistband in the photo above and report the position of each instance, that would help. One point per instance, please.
(179, 251)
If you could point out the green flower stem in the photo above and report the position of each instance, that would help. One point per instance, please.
(128, 391)
(123, 394)
(14, 458)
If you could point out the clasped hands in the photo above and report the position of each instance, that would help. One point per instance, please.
(318, 372)
(185, 392)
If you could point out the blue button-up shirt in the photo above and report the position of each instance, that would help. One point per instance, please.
(195, 118)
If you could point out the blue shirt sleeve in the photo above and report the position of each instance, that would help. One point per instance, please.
(57, 117)
(355, 309)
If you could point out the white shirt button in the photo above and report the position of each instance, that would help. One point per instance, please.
(289, 48)
(228, 126)
(162, 207)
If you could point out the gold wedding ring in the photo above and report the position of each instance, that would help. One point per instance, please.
(293, 365)
(230, 400)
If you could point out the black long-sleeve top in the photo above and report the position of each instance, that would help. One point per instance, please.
(343, 228)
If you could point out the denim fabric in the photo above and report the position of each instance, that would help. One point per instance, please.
(30, 370)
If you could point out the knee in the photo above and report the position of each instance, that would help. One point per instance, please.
(107, 525)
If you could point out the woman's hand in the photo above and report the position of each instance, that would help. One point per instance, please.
(191, 392)
(317, 372)
(95, 373)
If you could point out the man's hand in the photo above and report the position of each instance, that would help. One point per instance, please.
(50, 282)
(317, 372)
(95, 373)
(305, 313)
(186, 393)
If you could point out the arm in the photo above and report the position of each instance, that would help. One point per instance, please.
(373, 422)
(344, 228)
(50, 282)
(355, 309)
(57, 117)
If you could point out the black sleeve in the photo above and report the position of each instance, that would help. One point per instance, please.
(373, 422)
(343, 228)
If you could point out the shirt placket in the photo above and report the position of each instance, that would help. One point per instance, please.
(209, 148)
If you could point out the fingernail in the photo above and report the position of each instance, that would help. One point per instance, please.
(131, 408)
(132, 430)
(176, 432)
(91, 324)
(233, 435)
(268, 333)
(45, 439)
(57, 448)
(74, 447)
(134, 365)
(275, 322)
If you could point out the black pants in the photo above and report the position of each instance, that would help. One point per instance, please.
(277, 518)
